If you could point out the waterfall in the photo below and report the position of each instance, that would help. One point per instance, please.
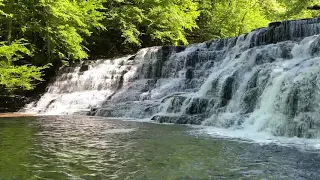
(266, 80)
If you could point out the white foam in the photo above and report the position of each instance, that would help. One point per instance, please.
(119, 131)
(257, 137)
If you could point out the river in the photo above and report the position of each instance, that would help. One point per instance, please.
(82, 147)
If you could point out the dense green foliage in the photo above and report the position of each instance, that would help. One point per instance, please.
(165, 20)
(12, 75)
(37, 35)
(131, 24)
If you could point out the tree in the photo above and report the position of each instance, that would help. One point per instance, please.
(62, 26)
(228, 18)
(295, 9)
(36, 33)
(225, 18)
(13, 76)
(139, 21)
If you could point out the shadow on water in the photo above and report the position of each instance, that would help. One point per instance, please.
(76, 147)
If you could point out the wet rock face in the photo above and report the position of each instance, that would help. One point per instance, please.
(227, 91)
(250, 101)
(183, 119)
(176, 102)
(315, 47)
(266, 80)
(197, 106)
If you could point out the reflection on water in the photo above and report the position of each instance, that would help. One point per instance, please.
(77, 147)
(15, 146)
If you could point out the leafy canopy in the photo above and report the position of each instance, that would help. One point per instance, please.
(160, 20)
(37, 33)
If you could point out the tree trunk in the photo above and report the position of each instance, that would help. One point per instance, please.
(9, 22)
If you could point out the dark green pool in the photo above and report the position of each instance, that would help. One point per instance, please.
(79, 147)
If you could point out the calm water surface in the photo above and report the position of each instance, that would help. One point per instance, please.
(75, 147)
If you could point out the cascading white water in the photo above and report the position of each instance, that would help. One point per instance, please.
(80, 90)
(267, 80)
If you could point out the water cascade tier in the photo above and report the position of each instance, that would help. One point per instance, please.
(266, 80)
